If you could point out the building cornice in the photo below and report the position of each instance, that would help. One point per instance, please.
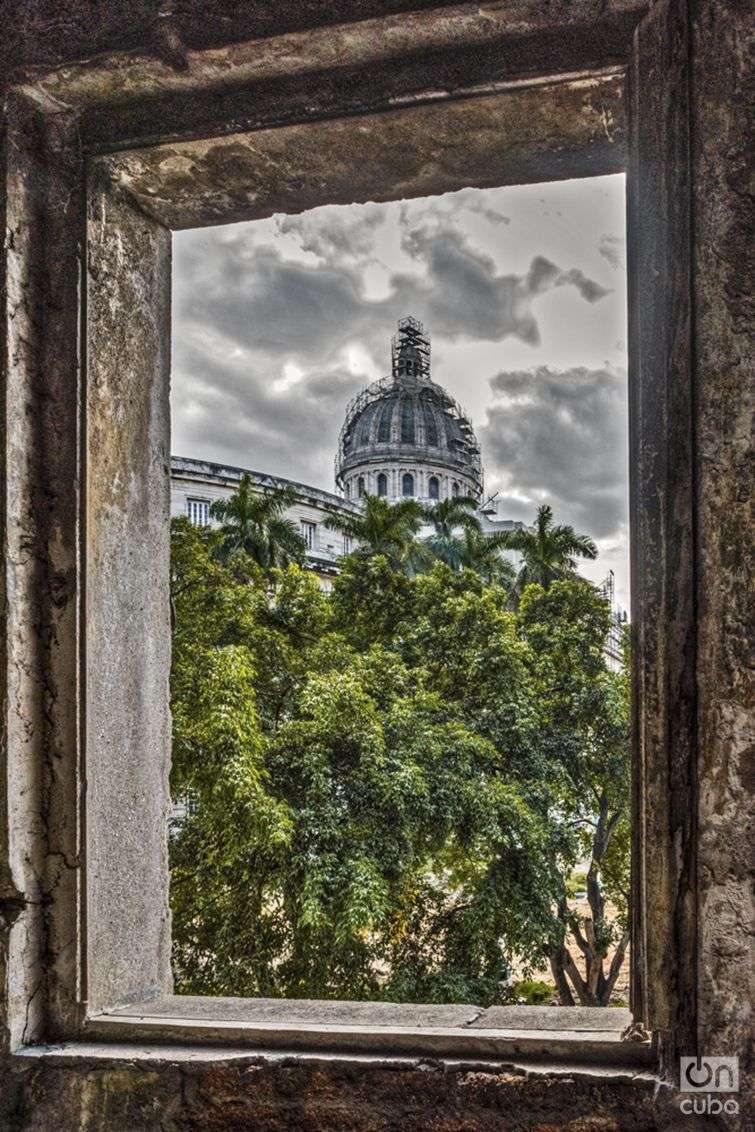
(205, 471)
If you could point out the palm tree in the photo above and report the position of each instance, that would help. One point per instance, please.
(255, 522)
(548, 552)
(448, 517)
(482, 553)
(385, 528)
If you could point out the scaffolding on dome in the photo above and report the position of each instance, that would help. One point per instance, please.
(463, 452)
(411, 335)
(456, 447)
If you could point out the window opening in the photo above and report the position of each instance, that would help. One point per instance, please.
(386, 416)
(431, 429)
(309, 530)
(198, 511)
(407, 421)
(468, 607)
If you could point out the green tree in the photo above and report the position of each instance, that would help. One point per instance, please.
(342, 824)
(482, 553)
(370, 600)
(382, 528)
(384, 790)
(219, 781)
(254, 522)
(583, 723)
(448, 517)
(549, 551)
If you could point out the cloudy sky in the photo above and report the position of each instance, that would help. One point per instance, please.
(278, 322)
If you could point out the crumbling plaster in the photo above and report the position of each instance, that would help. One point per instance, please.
(277, 1094)
(538, 130)
(134, 99)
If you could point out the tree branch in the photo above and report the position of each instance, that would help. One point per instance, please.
(615, 968)
(579, 983)
(559, 978)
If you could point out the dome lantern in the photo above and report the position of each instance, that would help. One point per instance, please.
(410, 352)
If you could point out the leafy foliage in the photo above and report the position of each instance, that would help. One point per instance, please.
(254, 522)
(381, 792)
(549, 551)
(386, 529)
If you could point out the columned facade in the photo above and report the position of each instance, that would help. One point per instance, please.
(429, 482)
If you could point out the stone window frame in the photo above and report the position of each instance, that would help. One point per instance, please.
(95, 176)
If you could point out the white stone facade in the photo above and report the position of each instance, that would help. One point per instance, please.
(196, 484)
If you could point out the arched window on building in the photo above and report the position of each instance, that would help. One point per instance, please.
(433, 488)
(360, 486)
(348, 491)
(384, 424)
(454, 488)
(407, 484)
(382, 483)
(407, 421)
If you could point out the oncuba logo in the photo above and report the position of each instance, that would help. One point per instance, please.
(709, 1075)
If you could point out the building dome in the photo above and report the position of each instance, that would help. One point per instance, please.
(404, 435)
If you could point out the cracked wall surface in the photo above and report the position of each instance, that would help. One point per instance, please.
(253, 78)
(276, 1095)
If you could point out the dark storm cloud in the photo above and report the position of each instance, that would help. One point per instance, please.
(466, 297)
(232, 413)
(543, 275)
(491, 214)
(560, 437)
(243, 313)
(264, 303)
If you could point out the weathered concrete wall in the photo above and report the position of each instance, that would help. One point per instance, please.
(539, 132)
(724, 363)
(40, 470)
(562, 35)
(127, 611)
(38, 705)
(321, 1096)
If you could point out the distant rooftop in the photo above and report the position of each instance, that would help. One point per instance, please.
(184, 466)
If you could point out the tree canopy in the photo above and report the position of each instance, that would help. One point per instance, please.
(549, 551)
(383, 528)
(382, 792)
(255, 522)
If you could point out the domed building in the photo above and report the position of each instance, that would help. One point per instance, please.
(404, 436)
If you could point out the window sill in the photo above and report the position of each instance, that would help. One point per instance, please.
(562, 1034)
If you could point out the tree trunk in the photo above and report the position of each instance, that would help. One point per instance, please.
(596, 987)
(556, 959)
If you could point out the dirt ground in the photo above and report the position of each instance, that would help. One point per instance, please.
(620, 996)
